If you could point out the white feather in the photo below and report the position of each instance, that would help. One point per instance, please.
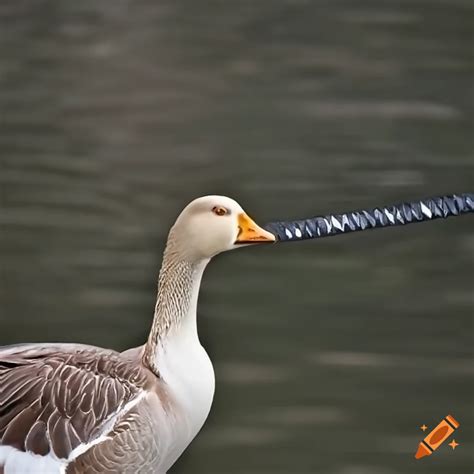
(19, 462)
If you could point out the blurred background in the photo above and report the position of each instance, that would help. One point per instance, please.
(329, 355)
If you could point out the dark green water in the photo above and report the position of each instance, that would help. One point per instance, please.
(329, 355)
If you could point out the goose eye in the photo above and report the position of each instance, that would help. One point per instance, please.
(219, 211)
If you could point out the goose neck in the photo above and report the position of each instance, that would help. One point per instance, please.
(176, 304)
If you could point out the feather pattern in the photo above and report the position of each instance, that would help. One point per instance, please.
(55, 398)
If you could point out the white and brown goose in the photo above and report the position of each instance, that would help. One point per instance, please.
(73, 408)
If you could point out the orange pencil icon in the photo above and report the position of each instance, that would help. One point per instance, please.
(437, 436)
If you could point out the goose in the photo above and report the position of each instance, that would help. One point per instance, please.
(75, 408)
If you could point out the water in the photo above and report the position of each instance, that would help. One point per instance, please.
(329, 355)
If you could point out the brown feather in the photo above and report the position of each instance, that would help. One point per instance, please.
(19, 427)
(36, 440)
(57, 396)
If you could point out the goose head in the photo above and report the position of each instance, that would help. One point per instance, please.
(213, 224)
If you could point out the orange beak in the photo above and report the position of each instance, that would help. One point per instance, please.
(250, 232)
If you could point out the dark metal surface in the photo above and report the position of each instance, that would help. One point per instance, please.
(396, 214)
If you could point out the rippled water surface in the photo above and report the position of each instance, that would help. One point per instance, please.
(329, 355)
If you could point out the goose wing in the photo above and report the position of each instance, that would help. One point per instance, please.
(55, 398)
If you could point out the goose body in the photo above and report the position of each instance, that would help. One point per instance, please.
(73, 408)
